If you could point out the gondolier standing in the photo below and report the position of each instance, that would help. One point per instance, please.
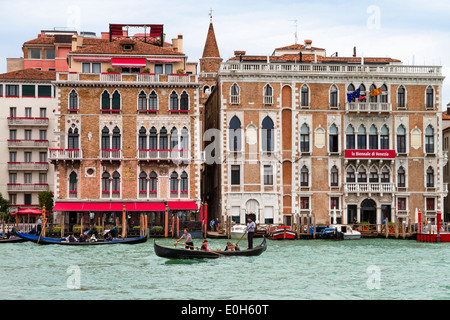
(250, 229)
(188, 243)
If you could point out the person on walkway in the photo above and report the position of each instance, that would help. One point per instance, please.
(211, 224)
(250, 229)
(189, 244)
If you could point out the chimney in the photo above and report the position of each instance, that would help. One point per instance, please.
(308, 44)
(354, 52)
(448, 109)
(177, 43)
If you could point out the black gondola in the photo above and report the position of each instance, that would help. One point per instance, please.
(12, 240)
(181, 253)
(44, 240)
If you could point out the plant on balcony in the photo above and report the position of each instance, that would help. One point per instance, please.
(146, 70)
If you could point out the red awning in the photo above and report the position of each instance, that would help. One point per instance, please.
(24, 212)
(128, 62)
(109, 206)
(182, 205)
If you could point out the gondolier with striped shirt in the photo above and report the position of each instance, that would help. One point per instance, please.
(188, 243)
(250, 229)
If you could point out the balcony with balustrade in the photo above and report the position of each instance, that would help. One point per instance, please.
(28, 166)
(22, 143)
(27, 122)
(111, 155)
(65, 154)
(369, 188)
(368, 107)
(170, 155)
(27, 187)
(140, 78)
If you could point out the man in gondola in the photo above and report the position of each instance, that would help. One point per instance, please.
(188, 243)
(250, 229)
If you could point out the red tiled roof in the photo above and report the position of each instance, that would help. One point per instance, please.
(115, 47)
(445, 116)
(41, 40)
(312, 57)
(297, 47)
(29, 74)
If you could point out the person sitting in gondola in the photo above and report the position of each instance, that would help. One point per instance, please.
(188, 243)
(109, 237)
(205, 246)
(83, 237)
(71, 238)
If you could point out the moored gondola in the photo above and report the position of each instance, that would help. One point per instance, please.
(181, 253)
(45, 240)
(12, 240)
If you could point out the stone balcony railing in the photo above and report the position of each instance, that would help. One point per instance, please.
(368, 107)
(28, 166)
(27, 187)
(65, 154)
(317, 68)
(369, 187)
(25, 121)
(125, 77)
(165, 155)
(27, 143)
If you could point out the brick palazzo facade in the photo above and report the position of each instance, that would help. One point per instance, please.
(291, 143)
(128, 131)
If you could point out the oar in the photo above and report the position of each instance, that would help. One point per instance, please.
(42, 230)
(240, 238)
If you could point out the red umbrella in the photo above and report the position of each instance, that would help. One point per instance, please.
(24, 212)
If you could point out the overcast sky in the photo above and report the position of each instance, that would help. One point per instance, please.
(416, 32)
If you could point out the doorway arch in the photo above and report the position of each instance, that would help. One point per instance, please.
(369, 211)
(252, 209)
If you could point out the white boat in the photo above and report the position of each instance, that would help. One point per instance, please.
(237, 231)
(347, 231)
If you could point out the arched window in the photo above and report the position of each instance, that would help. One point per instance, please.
(373, 175)
(173, 101)
(373, 138)
(235, 94)
(362, 91)
(304, 177)
(142, 138)
(401, 139)
(116, 182)
(184, 182)
(401, 97)
(430, 177)
(362, 137)
(206, 89)
(267, 134)
(235, 134)
(73, 183)
(105, 183)
(384, 94)
(153, 183)
(73, 100)
(106, 103)
(174, 183)
(350, 137)
(116, 138)
(184, 101)
(153, 101)
(373, 98)
(184, 139)
(116, 100)
(304, 98)
(153, 139)
(174, 138)
(268, 94)
(73, 139)
(350, 175)
(401, 180)
(142, 101)
(429, 139)
(304, 138)
(143, 182)
(105, 138)
(163, 139)
(362, 176)
(385, 176)
(333, 96)
(334, 138)
(384, 138)
(429, 99)
(334, 177)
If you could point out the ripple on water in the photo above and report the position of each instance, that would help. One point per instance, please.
(287, 270)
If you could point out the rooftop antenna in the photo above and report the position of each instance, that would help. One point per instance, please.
(210, 14)
(296, 26)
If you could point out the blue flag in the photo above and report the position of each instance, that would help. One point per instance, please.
(355, 94)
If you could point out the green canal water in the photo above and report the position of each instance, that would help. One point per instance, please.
(301, 269)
